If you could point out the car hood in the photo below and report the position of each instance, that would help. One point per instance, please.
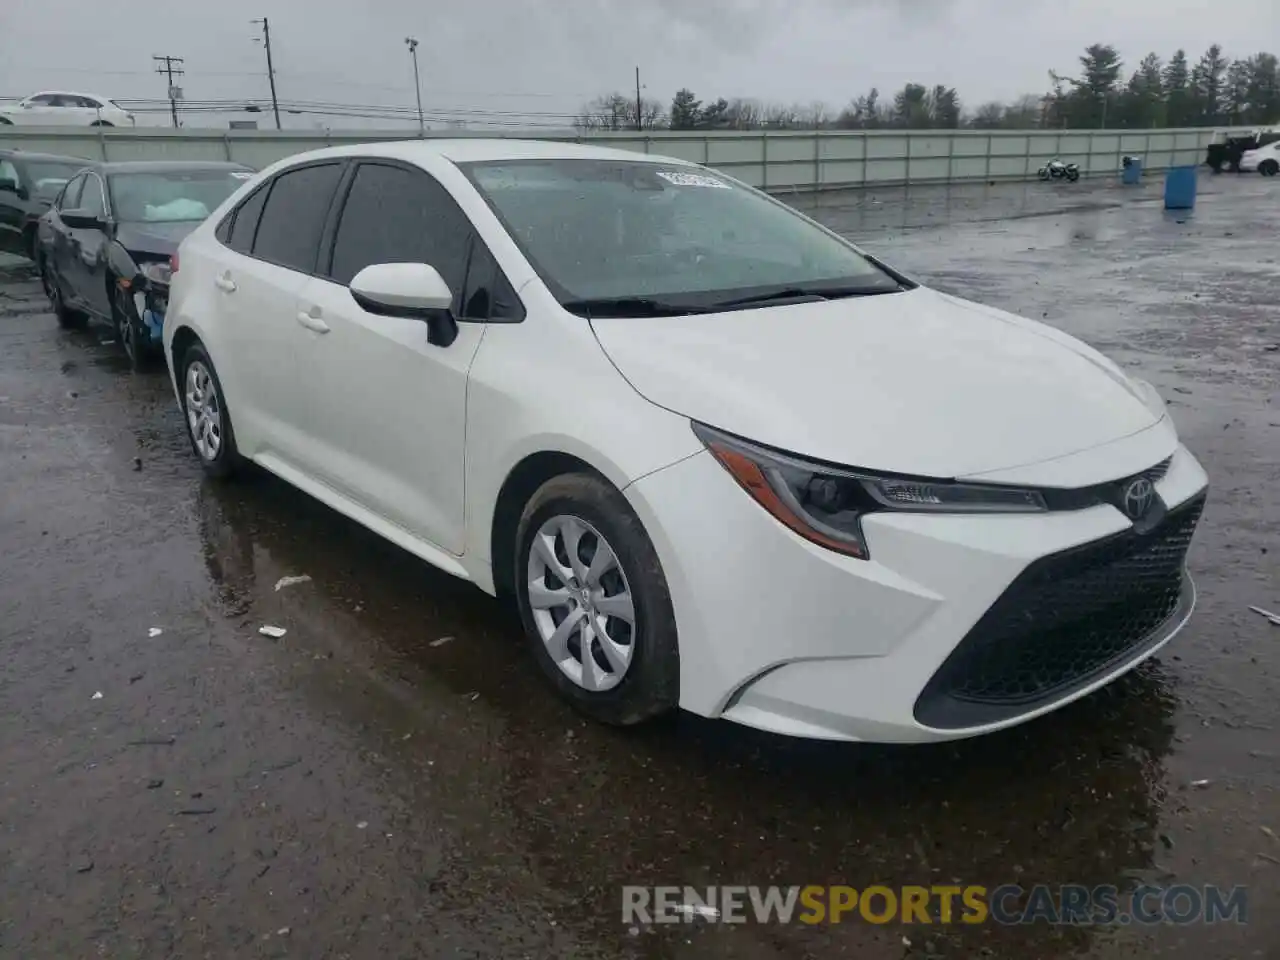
(915, 382)
(154, 239)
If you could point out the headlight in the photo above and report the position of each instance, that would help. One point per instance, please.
(826, 504)
(160, 273)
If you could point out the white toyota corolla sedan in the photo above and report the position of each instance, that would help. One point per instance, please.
(719, 457)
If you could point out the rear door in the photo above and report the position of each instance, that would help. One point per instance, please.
(270, 252)
(11, 209)
(388, 417)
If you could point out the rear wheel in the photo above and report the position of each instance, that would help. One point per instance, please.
(208, 423)
(594, 601)
(102, 123)
(1269, 168)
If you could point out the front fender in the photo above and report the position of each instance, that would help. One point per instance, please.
(120, 264)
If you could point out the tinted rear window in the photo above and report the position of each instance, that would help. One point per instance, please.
(289, 231)
(246, 221)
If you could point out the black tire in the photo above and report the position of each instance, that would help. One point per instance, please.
(67, 318)
(1269, 168)
(1073, 175)
(650, 685)
(226, 460)
(5, 122)
(102, 123)
(129, 331)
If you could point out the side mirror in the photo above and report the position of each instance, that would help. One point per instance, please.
(81, 220)
(412, 290)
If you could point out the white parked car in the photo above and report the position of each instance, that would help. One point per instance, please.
(60, 108)
(719, 457)
(1264, 160)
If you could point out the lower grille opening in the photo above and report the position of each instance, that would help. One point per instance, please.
(1067, 619)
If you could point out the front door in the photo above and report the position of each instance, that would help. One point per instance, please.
(388, 408)
(87, 257)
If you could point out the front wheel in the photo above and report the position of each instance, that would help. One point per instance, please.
(130, 332)
(1269, 168)
(594, 601)
(1073, 175)
(205, 410)
(67, 318)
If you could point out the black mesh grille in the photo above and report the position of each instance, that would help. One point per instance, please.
(1066, 619)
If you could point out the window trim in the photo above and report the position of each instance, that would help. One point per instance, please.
(102, 191)
(329, 236)
(269, 185)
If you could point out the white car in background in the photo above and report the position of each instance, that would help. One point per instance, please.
(717, 456)
(64, 109)
(1264, 160)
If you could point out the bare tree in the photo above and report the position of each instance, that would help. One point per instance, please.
(743, 114)
(617, 111)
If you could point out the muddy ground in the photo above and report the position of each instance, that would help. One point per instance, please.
(360, 789)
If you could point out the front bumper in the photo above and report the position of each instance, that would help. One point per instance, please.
(952, 629)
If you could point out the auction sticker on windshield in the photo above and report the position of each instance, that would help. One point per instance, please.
(692, 179)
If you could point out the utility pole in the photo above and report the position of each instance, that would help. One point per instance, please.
(271, 73)
(639, 107)
(166, 66)
(412, 44)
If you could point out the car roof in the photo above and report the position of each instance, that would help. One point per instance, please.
(480, 149)
(49, 158)
(167, 166)
(67, 93)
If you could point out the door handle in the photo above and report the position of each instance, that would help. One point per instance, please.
(225, 283)
(312, 321)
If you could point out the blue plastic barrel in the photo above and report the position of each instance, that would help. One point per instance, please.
(1132, 171)
(1180, 188)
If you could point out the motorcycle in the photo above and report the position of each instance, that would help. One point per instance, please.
(1057, 170)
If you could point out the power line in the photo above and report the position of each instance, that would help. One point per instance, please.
(170, 70)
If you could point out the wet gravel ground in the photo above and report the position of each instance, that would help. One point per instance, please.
(392, 779)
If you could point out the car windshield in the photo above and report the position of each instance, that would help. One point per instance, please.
(47, 177)
(641, 238)
(171, 195)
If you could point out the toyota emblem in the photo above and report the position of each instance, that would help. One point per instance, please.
(1137, 498)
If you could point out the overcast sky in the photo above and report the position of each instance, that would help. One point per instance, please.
(547, 57)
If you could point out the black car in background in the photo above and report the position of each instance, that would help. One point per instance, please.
(104, 247)
(1227, 150)
(28, 184)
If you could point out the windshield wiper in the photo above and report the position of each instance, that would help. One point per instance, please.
(629, 307)
(803, 294)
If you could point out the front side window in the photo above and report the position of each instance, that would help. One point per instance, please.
(91, 200)
(71, 194)
(395, 215)
(167, 196)
(289, 230)
(45, 100)
(608, 230)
